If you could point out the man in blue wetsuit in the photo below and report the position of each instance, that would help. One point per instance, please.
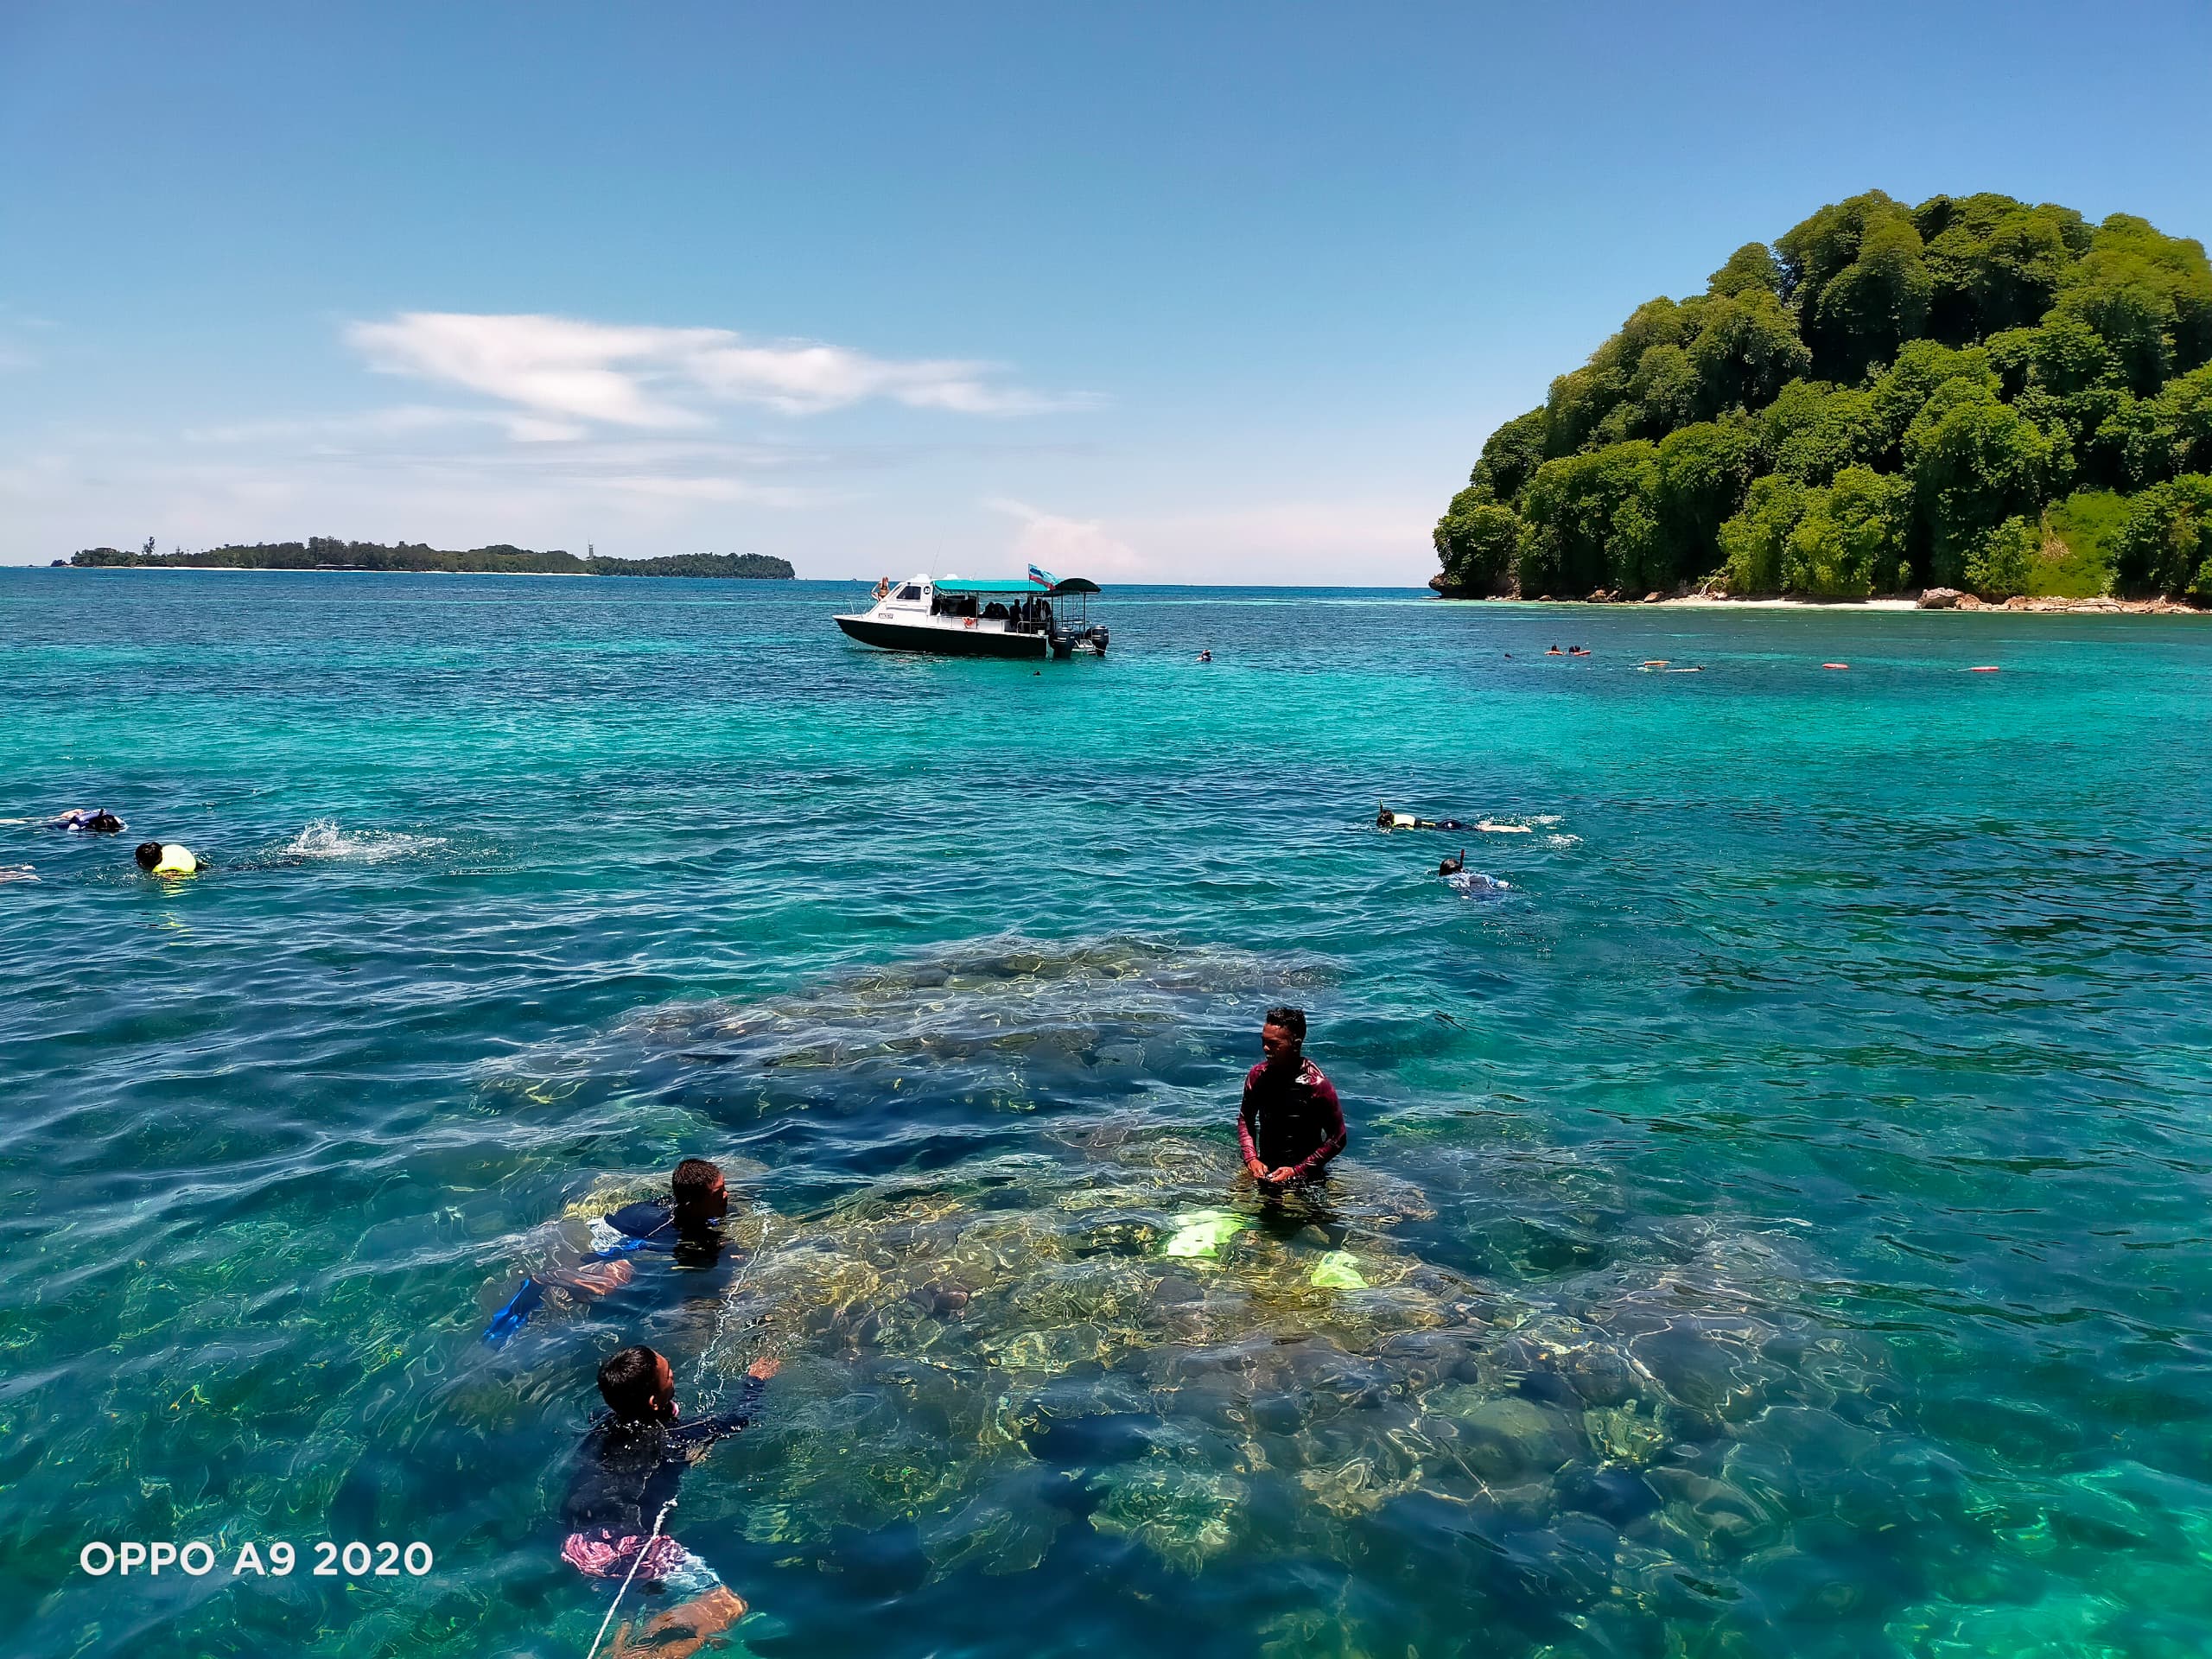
(686, 1225)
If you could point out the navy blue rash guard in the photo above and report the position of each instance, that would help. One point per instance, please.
(648, 1225)
(625, 1472)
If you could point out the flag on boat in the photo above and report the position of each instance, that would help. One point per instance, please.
(1042, 578)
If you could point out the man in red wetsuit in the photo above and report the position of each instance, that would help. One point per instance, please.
(1291, 1123)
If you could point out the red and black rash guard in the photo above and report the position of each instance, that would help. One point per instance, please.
(1291, 1118)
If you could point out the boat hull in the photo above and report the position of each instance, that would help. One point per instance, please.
(943, 641)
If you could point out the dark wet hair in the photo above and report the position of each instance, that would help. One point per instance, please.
(1291, 1019)
(694, 1181)
(149, 854)
(629, 1379)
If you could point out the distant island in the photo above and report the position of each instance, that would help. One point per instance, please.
(325, 553)
(1971, 394)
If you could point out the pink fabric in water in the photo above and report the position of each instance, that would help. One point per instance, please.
(603, 1555)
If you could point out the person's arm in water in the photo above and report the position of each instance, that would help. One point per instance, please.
(1247, 1115)
(1324, 1093)
(692, 1440)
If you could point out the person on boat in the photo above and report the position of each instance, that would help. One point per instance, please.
(882, 589)
(1386, 819)
(1290, 1124)
(88, 821)
(166, 858)
(686, 1225)
(627, 1470)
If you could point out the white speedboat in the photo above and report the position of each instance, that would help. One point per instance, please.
(1039, 616)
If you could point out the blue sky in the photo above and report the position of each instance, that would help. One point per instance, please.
(1174, 293)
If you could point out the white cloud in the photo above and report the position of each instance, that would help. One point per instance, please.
(1068, 547)
(1355, 541)
(402, 421)
(567, 369)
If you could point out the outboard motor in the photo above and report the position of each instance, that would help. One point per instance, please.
(1097, 637)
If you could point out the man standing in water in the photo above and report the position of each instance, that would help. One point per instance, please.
(1291, 1123)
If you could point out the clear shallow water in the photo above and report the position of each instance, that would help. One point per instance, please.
(1781, 1209)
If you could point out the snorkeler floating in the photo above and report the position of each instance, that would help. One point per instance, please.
(629, 1469)
(1453, 865)
(1473, 884)
(1386, 819)
(1291, 1123)
(88, 821)
(689, 1222)
(166, 858)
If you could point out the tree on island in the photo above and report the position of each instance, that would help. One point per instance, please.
(1956, 393)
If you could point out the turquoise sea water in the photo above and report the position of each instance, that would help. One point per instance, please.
(1782, 1210)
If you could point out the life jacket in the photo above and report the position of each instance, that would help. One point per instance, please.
(176, 860)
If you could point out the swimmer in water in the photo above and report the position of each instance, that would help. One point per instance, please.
(166, 858)
(96, 821)
(1473, 884)
(1386, 819)
(686, 1225)
(1205, 656)
(628, 1467)
(1554, 652)
(1453, 865)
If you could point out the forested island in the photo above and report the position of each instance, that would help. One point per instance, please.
(1972, 393)
(327, 553)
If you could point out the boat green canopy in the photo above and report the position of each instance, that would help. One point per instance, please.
(1013, 585)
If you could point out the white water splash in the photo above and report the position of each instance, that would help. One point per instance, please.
(323, 840)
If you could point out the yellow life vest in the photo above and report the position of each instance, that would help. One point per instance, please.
(176, 860)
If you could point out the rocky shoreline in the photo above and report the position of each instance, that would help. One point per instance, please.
(1934, 598)
(1950, 599)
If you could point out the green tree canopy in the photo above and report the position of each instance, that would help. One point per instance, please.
(2165, 544)
(1984, 355)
